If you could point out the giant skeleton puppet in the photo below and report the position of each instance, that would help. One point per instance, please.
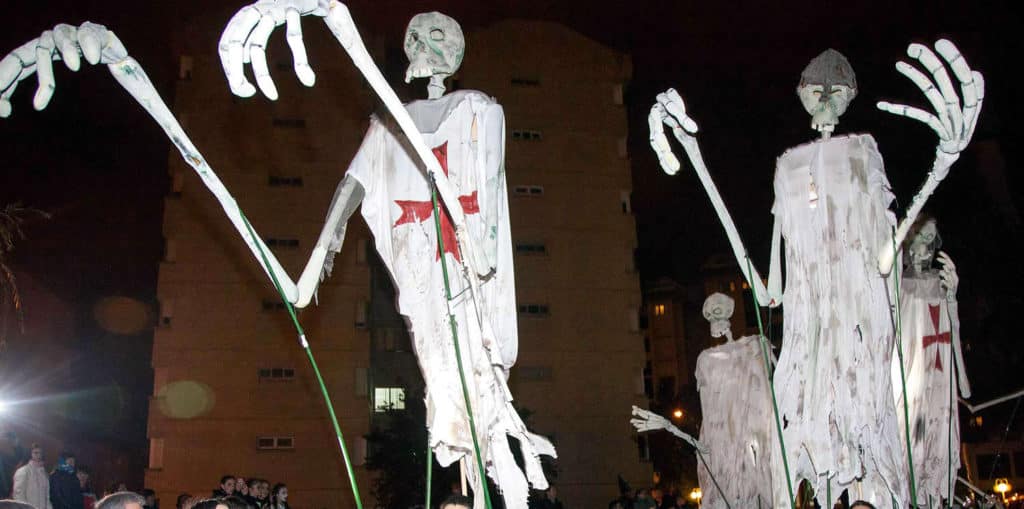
(736, 410)
(832, 197)
(390, 176)
(932, 354)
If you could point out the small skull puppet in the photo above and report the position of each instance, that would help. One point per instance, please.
(718, 309)
(931, 353)
(827, 86)
(435, 46)
(737, 414)
(832, 379)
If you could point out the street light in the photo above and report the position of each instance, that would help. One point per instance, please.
(677, 413)
(1001, 487)
(696, 495)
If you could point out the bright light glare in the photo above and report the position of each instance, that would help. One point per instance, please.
(3, 407)
(678, 414)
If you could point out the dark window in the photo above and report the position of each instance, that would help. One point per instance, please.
(273, 305)
(292, 123)
(525, 82)
(281, 242)
(265, 442)
(534, 309)
(993, 466)
(526, 135)
(285, 442)
(279, 181)
(534, 248)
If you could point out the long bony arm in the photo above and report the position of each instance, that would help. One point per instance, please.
(670, 110)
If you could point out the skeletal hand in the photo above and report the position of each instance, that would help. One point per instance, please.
(245, 39)
(947, 274)
(670, 110)
(64, 42)
(953, 122)
(645, 420)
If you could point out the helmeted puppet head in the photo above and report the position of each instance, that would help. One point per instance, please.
(827, 86)
(434, 44)
(718, 309)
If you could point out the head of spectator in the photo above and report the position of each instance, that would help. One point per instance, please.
(14, 504)
(241, 487)
(36, 456)
(860, 504)
(121, 500)
(263, 490)
(183, 500)
(457, 502)
(615, 504)
(279, 495)
(150, 497)
(83, 477)
(208, 503)
(227, 486)
(66, 463)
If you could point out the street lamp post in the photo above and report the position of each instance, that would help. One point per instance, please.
(1002, 486)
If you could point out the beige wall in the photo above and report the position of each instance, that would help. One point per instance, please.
(219, 335)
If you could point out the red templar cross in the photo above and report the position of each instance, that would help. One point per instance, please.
(419, 211)
(937, 338)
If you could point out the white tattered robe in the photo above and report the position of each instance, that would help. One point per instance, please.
(929, 323)
(466, 131)
(736, 428)
(833, 380)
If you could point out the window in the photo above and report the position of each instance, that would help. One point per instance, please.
(170, 251)
(534, 373)
(156, 453)
(531, 248)
(166, 312)
(659, 309)
(290, 123)
(185, 65)
(388, 398)
(276, 375)
(536, 310)
(272, 443)
(993, 466)
(525, 82)
(529, 190)
(360, 318)
(279, 181)
(281, 242)
(643, 450)
(625, 202)
(177, 183)
(272, 305)
(526, 135)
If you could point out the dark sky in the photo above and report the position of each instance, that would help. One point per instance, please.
(97, 162)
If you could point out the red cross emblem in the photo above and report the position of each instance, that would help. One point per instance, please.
(937, 337)
(419, 211)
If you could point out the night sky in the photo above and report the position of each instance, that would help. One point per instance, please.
(98, 163)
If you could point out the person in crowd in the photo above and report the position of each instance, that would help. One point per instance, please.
(185, 501)
(279, 496)
(31, 484)
(549, 499)
(456, 501)
(241, 487)
(643, 499)
(150, 496)
(206, 503)
(615, 504)
(14, 504)
(262, 494)
(65, 491)
(122, 500)
(860, 504)
(10, 457)
(227, 487)
(234, 502)
(88, 497)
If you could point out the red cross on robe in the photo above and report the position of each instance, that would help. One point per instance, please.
(936, 338)
(419, 211)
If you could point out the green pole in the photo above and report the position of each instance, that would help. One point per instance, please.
(903, 377)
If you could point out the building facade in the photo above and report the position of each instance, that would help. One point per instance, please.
(233, 392)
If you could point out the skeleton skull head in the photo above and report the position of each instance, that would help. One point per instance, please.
(434, 44)
(827, 85)
(718, 308)
(923, 244)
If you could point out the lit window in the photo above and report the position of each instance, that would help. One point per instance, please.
(388, 398)
(659, 309)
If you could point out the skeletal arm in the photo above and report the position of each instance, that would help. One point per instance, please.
(645, 420)
(949, 282)
(954, 123)
(347, 197)
(670, 110)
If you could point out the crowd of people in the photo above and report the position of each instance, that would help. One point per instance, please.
(239, 493)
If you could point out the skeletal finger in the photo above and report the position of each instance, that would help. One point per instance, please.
(257, 47)
(293, 33)
(945, 260)
(916, 114)
(20, 74)
(676, 104)
(65, 37)
(971, 121)
(962, 71)
(44, 68)
(90, 38)
(659, 142)
(928, 59)
(930, 91)
(231, 50)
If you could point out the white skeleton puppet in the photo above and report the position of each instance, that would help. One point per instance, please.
(932, 356)
(737, 415)
(466, 132)
(475, 156)
(832, 200)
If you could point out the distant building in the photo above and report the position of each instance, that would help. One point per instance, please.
(233, 392)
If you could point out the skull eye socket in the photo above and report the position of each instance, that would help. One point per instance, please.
(436, 34)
